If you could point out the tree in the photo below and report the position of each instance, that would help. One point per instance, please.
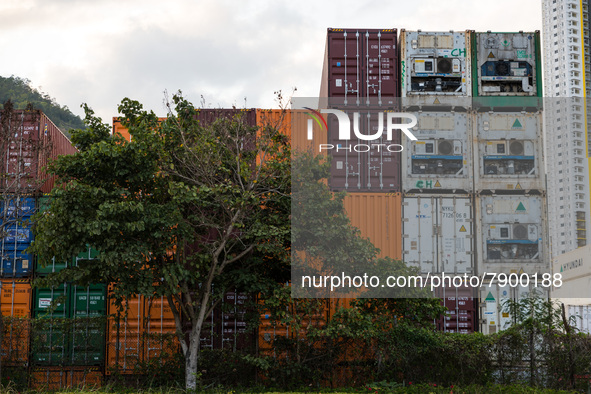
(179, 208)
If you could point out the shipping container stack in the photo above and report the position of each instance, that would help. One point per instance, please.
(68, 330)
(29, 141)
(437, 178)
(510, 204)
(360, 74)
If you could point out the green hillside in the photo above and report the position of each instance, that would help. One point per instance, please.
(20, 92)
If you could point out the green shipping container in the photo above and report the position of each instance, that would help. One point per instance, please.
(56, 266)
(506, 70)
(74, 332)
(88, 315)
(49, 333)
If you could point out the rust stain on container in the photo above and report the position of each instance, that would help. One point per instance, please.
(379, 217)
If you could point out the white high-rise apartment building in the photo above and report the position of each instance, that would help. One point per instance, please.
(567, 82)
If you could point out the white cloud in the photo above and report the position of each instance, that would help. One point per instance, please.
(101, 51)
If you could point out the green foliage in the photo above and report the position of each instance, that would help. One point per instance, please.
(178, 210)
(19, 91)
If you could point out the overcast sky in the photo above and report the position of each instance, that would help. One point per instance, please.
(100, 51)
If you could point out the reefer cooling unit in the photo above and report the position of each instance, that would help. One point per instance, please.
(434, 64)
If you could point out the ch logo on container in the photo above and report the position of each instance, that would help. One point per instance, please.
(344, 131)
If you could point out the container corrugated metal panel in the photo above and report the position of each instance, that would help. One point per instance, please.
(361, 67)
(506, 70)
(20, 152)
(119, 129)
(435, 69)
(494, 313)
(441, 159)
(272, 118)
(49, 337)
(58, 144)
(512, 234)
(275, 118)
(16, 207)
(209, 115)
(53, 266)
(64, 335)
(365, 166)
(59, 378)
(270, 331)
(87, 338)
(15, 304)
(226, 327)
(16, 212)
(299, 133)
(142, 331)
(581, 314)
(438, 233)
(378, 217)
(461, 315)
(16, 263)
(509, 151)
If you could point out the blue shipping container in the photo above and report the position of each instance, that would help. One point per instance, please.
(16, 264)
(23, 207)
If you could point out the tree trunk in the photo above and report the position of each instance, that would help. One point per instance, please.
(192, 358)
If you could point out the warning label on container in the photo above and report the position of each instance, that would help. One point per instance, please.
(517, 124)
(463, 229)
(44, 302)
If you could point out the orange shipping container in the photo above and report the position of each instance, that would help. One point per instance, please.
(270, 330)
(294, 124)
(59, 378)
(15, 304)
(143, 331)
(379, 217)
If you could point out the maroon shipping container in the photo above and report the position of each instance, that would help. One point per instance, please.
(58, 144)
(229, 324)
(364, 166)
(226, 326)
(209, 115)
(461, 314)
(361, 68)
(30, 140)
